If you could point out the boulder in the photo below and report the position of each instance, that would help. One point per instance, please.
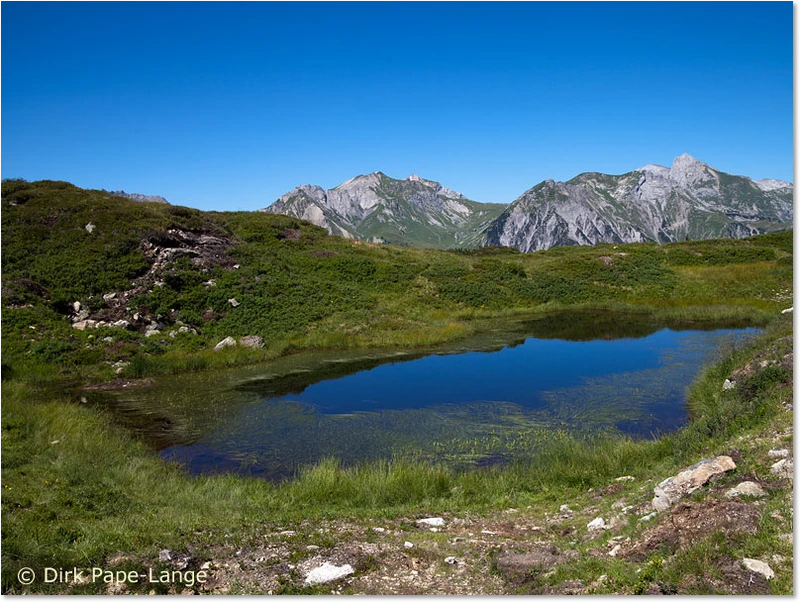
(226, 342)
(252, 341)
(762, 568)
(670, 490)
(783, 468)
(746, 488)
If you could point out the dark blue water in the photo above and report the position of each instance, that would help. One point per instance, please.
(515, 374)
(456, 405)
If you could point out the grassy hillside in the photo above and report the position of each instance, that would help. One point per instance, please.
(196, 278)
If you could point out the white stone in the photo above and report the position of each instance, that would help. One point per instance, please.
(728, 384)
(328, 572)
(234, 302)
(564, 509)
(226, 342)
(408, 545)
(615, 550)
(90, 227)
(783, 467)
(431, 522)
(746, 488)
(778, 453)
(109, 296)
(597, 524)
(625, 478)
(152, 333)
(762, 568)
(788, 311)
(647, 517)
(451, 560)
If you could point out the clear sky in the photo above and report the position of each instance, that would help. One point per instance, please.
(229, 105)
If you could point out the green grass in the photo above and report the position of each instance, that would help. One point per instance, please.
(299, 288)
(59, 509)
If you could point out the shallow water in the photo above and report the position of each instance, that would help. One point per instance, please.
(487, 399)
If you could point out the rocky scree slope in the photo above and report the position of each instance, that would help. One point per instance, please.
(653, 203)
(378, 208)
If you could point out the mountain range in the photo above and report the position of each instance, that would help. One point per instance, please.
(689, 200)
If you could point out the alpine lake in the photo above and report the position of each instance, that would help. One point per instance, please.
(479, 401)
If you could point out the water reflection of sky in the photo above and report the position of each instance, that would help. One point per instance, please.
(636, 385)
(514, 374)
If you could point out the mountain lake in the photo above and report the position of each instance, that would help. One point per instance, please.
(484, 400)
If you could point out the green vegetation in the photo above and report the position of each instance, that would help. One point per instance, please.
(297, 287)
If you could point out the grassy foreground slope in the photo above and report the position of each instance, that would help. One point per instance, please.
(193, 278)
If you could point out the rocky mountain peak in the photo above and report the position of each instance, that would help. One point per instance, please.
(768, 184)
(414, 178)
(688, 172)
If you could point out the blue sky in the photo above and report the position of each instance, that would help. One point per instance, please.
(227, 106)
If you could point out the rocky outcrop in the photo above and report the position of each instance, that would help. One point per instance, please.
(143, 198)
(377, 208)
(670, 490)
(653, 203)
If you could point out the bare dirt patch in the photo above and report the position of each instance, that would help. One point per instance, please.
(691, 522)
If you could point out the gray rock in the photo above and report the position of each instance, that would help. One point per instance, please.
(226, 342)
(788, 310)
(109, 296)
(328, 572)
(165, 555)
(431, 522)
(120, 324)
(597, 524)
(728, 384)
(451, 560)
(783, 468)
(762, 568)
(685, 482)
(84, 324)
(142, 198)
(746, 488)
(252, 341)
(778, 453)
(652, 203)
